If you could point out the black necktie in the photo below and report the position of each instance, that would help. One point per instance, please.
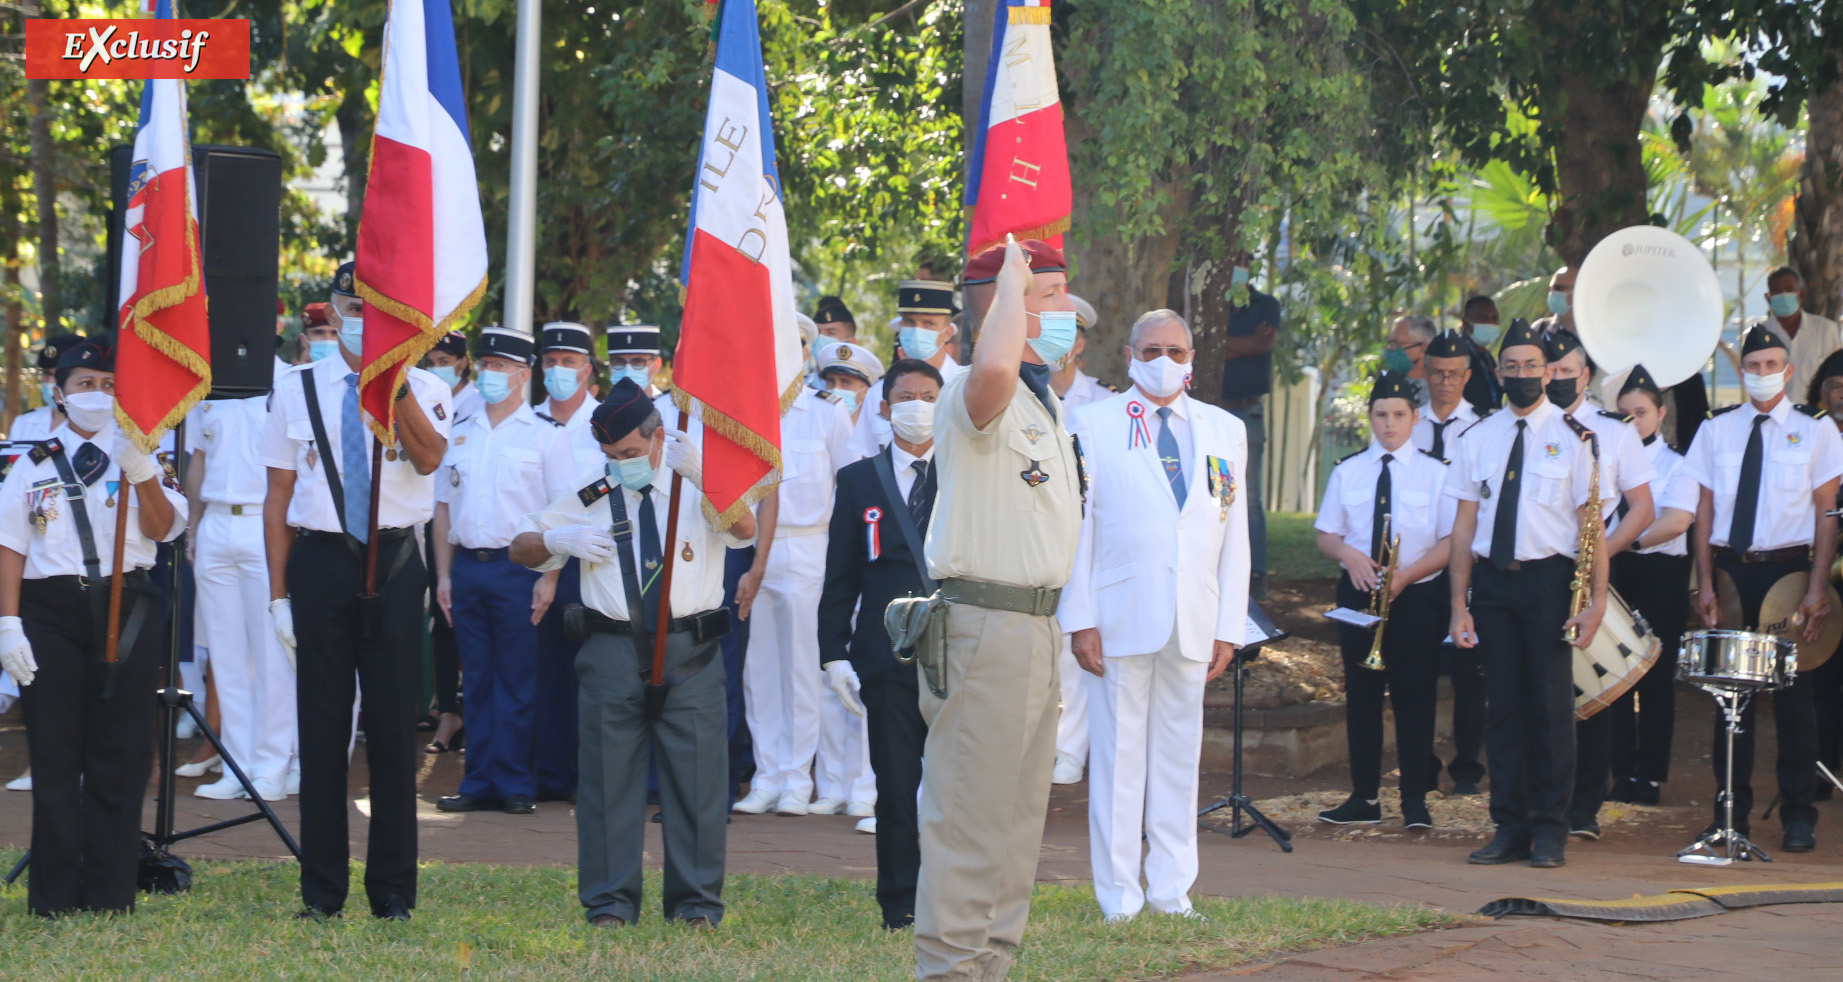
(651, 562)
(1381, 512)
(89, 463)
(1439, 438)
(1504, 526)
(918, 492)
(1747, 496)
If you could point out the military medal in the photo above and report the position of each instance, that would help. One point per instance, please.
(1033, 433)
(686, 553)
(1136, 434)
(109, 502)
(390, 454)
(454, 476)
(872, 542)
(1034, 476)
(311, 457)
(1484, 490)
(1221, 483)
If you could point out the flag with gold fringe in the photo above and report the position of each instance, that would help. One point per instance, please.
(1018, 179)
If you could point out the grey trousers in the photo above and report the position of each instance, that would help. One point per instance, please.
(691, 746)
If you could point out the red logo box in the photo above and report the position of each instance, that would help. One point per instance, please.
(132, 47)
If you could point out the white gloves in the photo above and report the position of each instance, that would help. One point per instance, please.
(16, 651)
(844, 680)
(585, 542)
(685, 457)
(282, 613)
(136, 466)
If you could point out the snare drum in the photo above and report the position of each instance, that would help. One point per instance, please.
(1736, 660)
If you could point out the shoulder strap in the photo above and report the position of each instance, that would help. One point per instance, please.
(905, 523)
(623, 532)
(312, 392)
(74, 493)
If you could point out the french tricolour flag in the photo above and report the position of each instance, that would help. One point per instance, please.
(738, 362)
(421, 240)
(1018, 181)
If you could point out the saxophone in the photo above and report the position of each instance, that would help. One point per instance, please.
(1593, 529)
(1379, 598)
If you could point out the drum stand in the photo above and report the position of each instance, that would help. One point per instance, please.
(1733, 845)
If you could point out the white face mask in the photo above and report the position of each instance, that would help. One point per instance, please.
(1762, 388)
(90, 411)
(913, 421)
(1159, 377)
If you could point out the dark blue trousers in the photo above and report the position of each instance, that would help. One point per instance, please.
(498, 645)
(554, 736)
(735, 647)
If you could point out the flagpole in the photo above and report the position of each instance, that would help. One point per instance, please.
(521, 226)
(665, 578)
(111, 652)
(371, 540)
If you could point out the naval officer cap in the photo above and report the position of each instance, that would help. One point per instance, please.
(568, 336)
(1042, 257)
(809, 329)
(505, 342)
(925, 297)
(54, 348)
(852, 359)
(1085, 317)
(345, 280)
(1447, 344)
(633, 339)
(1760, 339)
(621, 413)
(1391, 385)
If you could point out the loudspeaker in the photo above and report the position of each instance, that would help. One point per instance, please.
(239, 212)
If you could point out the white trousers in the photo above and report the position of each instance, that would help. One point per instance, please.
(782, 685)
(1146, 728)
(842, 768)
(255, 686)
(1072, 725)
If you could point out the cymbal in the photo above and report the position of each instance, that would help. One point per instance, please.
(1777, 612)
(1728, 603)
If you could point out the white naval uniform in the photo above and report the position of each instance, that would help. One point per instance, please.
(1798, 454)
(1162, 583)
(801, 732)
(492, 476)
(871, 433)
(468, 402)
(1072, 724)
(1426, 427)
(254, 682)
(35, 425)
(56, 549)
(1818, 336)
(586, 452)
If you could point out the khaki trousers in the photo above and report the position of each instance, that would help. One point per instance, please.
(985, 791)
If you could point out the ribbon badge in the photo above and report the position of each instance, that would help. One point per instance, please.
(1137, 435)
(871, 542)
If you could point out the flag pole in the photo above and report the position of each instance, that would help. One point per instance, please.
(521, 225)
(111, 652)
(371, 540)
(665, 578)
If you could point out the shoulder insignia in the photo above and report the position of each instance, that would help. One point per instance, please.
(1580, 429)
(1725, 409)
(1815, 412)
(593, 493)
(1110, 388)
(1436, 456)
(1353, 453)
(440, 413)
(548, 418)
(169, 466)
(42, 452)
(1621, 417)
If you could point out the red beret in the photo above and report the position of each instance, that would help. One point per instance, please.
(1044, 258)
(314, 314)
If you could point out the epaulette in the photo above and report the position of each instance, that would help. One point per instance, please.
(1354, 453)
(1725, 409)
(1580, 429)
(1110, 388)
(1621, 417)
(593, 493)
(1815, 412)
(43, 450)
(548, 418)
(1435, 456)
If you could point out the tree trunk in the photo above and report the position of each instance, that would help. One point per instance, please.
(15, 329)
(1816, 243)
(45, 187)
(1599, 169)
(354, 119)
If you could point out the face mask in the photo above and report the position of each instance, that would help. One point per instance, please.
(322, 349)
(1238, 277)
(48, 390)
(1159, 377)
(561, 382)
(847, 398)
(634, 473)
(1397, 361)
(913, 420)
(1783, 304)
(1485, 333)
(642, 376)
(1762, 388)
(1558, 303)
(1561, 391)
(352, 334)
(1057, 337)
(447, 374)
(919, 342)
(1523, 392)
(91, 411)
(494, 386)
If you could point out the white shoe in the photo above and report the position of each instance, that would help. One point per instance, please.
(1067, 771)
(291, 785)
(791, 805)
(223, 789)
(187, 729)
(755, 802)
(1188, 913)
(868, 826)
(861, 809)
(825, 806)
(199, 768)
(21, 783)
(1117, 918)
(270, 790)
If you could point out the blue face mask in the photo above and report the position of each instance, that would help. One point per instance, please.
(1558, 303)
(1783, 304)
(447, 374)
(1057, 337)
(352, 334)
(48, 389)
(1485, 333)
(1238, 277)
(634, 473)
(847, 398)
(642, 377)
(494, 386)
(561, 382)
(919, 342)
(322, 349)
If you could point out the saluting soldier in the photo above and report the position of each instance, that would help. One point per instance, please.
(1516, 536)
(625, 722)
(1002, 544)
(1386, 491)
(1769, 481)
(86, 732)
(316, 522)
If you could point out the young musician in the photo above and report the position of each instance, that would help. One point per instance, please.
(1395, 484)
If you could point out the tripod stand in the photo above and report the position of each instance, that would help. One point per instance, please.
(1235, 800)
(1736, 846)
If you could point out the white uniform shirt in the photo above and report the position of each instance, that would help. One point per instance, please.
(1672, 488)
(1421, 512)
(1817, 337)
(230, 432)
(586, 452)
(468, 402)
(35, 425)
(33, 490)
(903, 463)
(406, 498)
(1422, 435)
(492, 476)
(1624, 465)
(1084, 390)
(697, 582)
(873, 431)
(1554, 480)
(815, 443)
(1798, 453)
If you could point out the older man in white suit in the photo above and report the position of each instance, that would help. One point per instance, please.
(1157, 603)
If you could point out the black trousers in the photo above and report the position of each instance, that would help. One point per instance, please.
(325, 579)
(1644, 719)
(1411, 676)
(443, 655)
(1466, 669)
(1827, 703)
(1794, 712)
(892, 711)
(1529, 676)
(90, 757)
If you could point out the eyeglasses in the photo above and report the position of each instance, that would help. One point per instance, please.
(1151, 352)
(1406, 347)
(1446, 376)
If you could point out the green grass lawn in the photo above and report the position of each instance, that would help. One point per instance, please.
(500, 922)
(1292, 548)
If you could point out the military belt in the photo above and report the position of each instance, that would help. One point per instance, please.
(1040, 601)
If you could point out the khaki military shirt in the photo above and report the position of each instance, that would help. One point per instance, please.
(1009, 505)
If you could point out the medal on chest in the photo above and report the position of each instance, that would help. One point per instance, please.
(686, 554)
(113, 487)
(313, 456)
(1035, 475)
(873, 545)
(454, 475)
(1221, 484)
(1136, 433)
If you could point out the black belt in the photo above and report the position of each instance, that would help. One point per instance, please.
(1525, 565)
(485, 555)
(1790, 554)
(707, 626)
(339, 538)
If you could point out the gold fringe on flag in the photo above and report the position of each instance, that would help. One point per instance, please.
(1027, 15)
(136, 323)
(1057, 227)
(428, 334)
(724, 425)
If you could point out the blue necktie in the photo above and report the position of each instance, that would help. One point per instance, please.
(355, 470)
(1168, 455)
(651, 561)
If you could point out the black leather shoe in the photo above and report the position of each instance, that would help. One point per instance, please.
(1505, 847)
(1548, 855)
(1414, 814)
(901, 920)
(607, 920)
(518, 804)
(1462, 789)
(465, 803)
(1583, 828)
(395, 909)
(1799, 837)
(1644, 792)
(312, 913)
(1621, 790)
(1354, 811)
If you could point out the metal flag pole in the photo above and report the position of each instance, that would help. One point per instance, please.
(521, 224)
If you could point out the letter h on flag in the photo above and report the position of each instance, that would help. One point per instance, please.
(1018, 179)
(163, 354)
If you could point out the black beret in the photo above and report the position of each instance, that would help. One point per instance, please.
(633, 338)
(454, 344)
(345, 281)
(833, 309)
(1832, 367)
(506, 343)
(1561, 342)
(1639, 380)
(1391, 385)
(621, 413)
(567, 336)
(1448, 344)
(96, 353)
(925, 297)
(1520, 333)
(54, 347)
(1759, 339)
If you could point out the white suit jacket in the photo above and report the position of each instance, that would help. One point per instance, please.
(1143, 563)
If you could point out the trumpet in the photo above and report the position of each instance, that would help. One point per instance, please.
(1379, 598)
